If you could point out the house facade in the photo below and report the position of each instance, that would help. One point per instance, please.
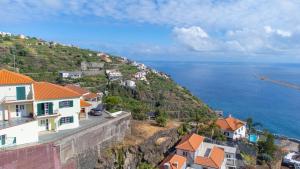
(27, 107)
(17, 125)
(232, 128)
(56, 107)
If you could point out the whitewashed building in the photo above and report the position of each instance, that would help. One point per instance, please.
(27, 107)
(193, 152)
(232, 128)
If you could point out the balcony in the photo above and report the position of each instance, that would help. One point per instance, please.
(14, 99)
(230, 162)
(46, 115)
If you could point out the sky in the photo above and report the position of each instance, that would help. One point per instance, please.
(188, 30)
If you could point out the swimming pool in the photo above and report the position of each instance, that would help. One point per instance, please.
(253, 138)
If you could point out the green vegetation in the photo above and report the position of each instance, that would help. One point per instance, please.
(144, 165)
(266, 148)
(251, 126)
(43, 60)
(162, 119)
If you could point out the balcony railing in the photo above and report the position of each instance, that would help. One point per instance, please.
(8, 99)
(230, 161)
(55, 113)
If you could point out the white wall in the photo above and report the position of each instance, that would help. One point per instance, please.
(240, 133)
(25, 133)
(9, 92)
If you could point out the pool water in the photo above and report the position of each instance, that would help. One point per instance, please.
(253, 138)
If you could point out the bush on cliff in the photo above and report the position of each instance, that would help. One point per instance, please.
(162, 119)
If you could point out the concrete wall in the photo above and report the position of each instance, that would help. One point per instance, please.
(80, 150)
(84, 148)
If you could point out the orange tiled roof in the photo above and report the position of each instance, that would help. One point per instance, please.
(190, 142)
(230, 123)
(8, 77)
(46, 91)
(173, 160)
(215, 159)
(90, 96)
(77, 89)
(84, 103)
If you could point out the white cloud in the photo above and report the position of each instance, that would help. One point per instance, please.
(282, 33)
(194, 37)
(241, 25)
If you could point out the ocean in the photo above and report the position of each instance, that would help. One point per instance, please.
(236, 89)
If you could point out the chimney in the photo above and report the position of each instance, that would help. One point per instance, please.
(175, 164)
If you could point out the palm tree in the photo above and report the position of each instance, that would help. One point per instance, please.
(251, 126)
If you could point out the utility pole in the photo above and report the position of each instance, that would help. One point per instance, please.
(15, 63)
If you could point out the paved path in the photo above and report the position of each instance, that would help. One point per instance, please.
(49, 136)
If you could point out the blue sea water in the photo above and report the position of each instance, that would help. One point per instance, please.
(235, 89)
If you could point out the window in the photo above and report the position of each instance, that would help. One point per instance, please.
(43, 122)
(66, 120)
(68, 103)
(184, 153)
(17, 110)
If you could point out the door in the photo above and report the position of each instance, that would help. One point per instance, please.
(21, 93)
(20, 111)
(47, 124)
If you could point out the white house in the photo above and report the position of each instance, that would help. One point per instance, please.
(113, 74)
(198, 154)
(140, 75)
(17, 125)
(72, 75)
(55, 107)
(27, 107)
(232, 128)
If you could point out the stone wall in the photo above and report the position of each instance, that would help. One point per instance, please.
(80, 150)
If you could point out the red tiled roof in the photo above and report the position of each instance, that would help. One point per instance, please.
(90, 96)
(173, 160)
(230, 123)
(190, 142)
(215, 159)
(84, 103)
(8, 77)
(77, 89)
(46, 91)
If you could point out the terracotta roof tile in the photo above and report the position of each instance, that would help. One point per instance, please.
(77, 89)
(230, 123)
(90, 96)
(215, 159)
(174, 160)
(84, 103)
(8, 77)
(190, 142)
(46, 91)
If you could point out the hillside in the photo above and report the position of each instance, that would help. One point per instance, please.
(43, 60)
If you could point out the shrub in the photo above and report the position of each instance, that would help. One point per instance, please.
(162, 119)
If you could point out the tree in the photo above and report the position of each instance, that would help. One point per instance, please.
(267, 147)
(162, 119)
(251, 126)
(112, 102)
